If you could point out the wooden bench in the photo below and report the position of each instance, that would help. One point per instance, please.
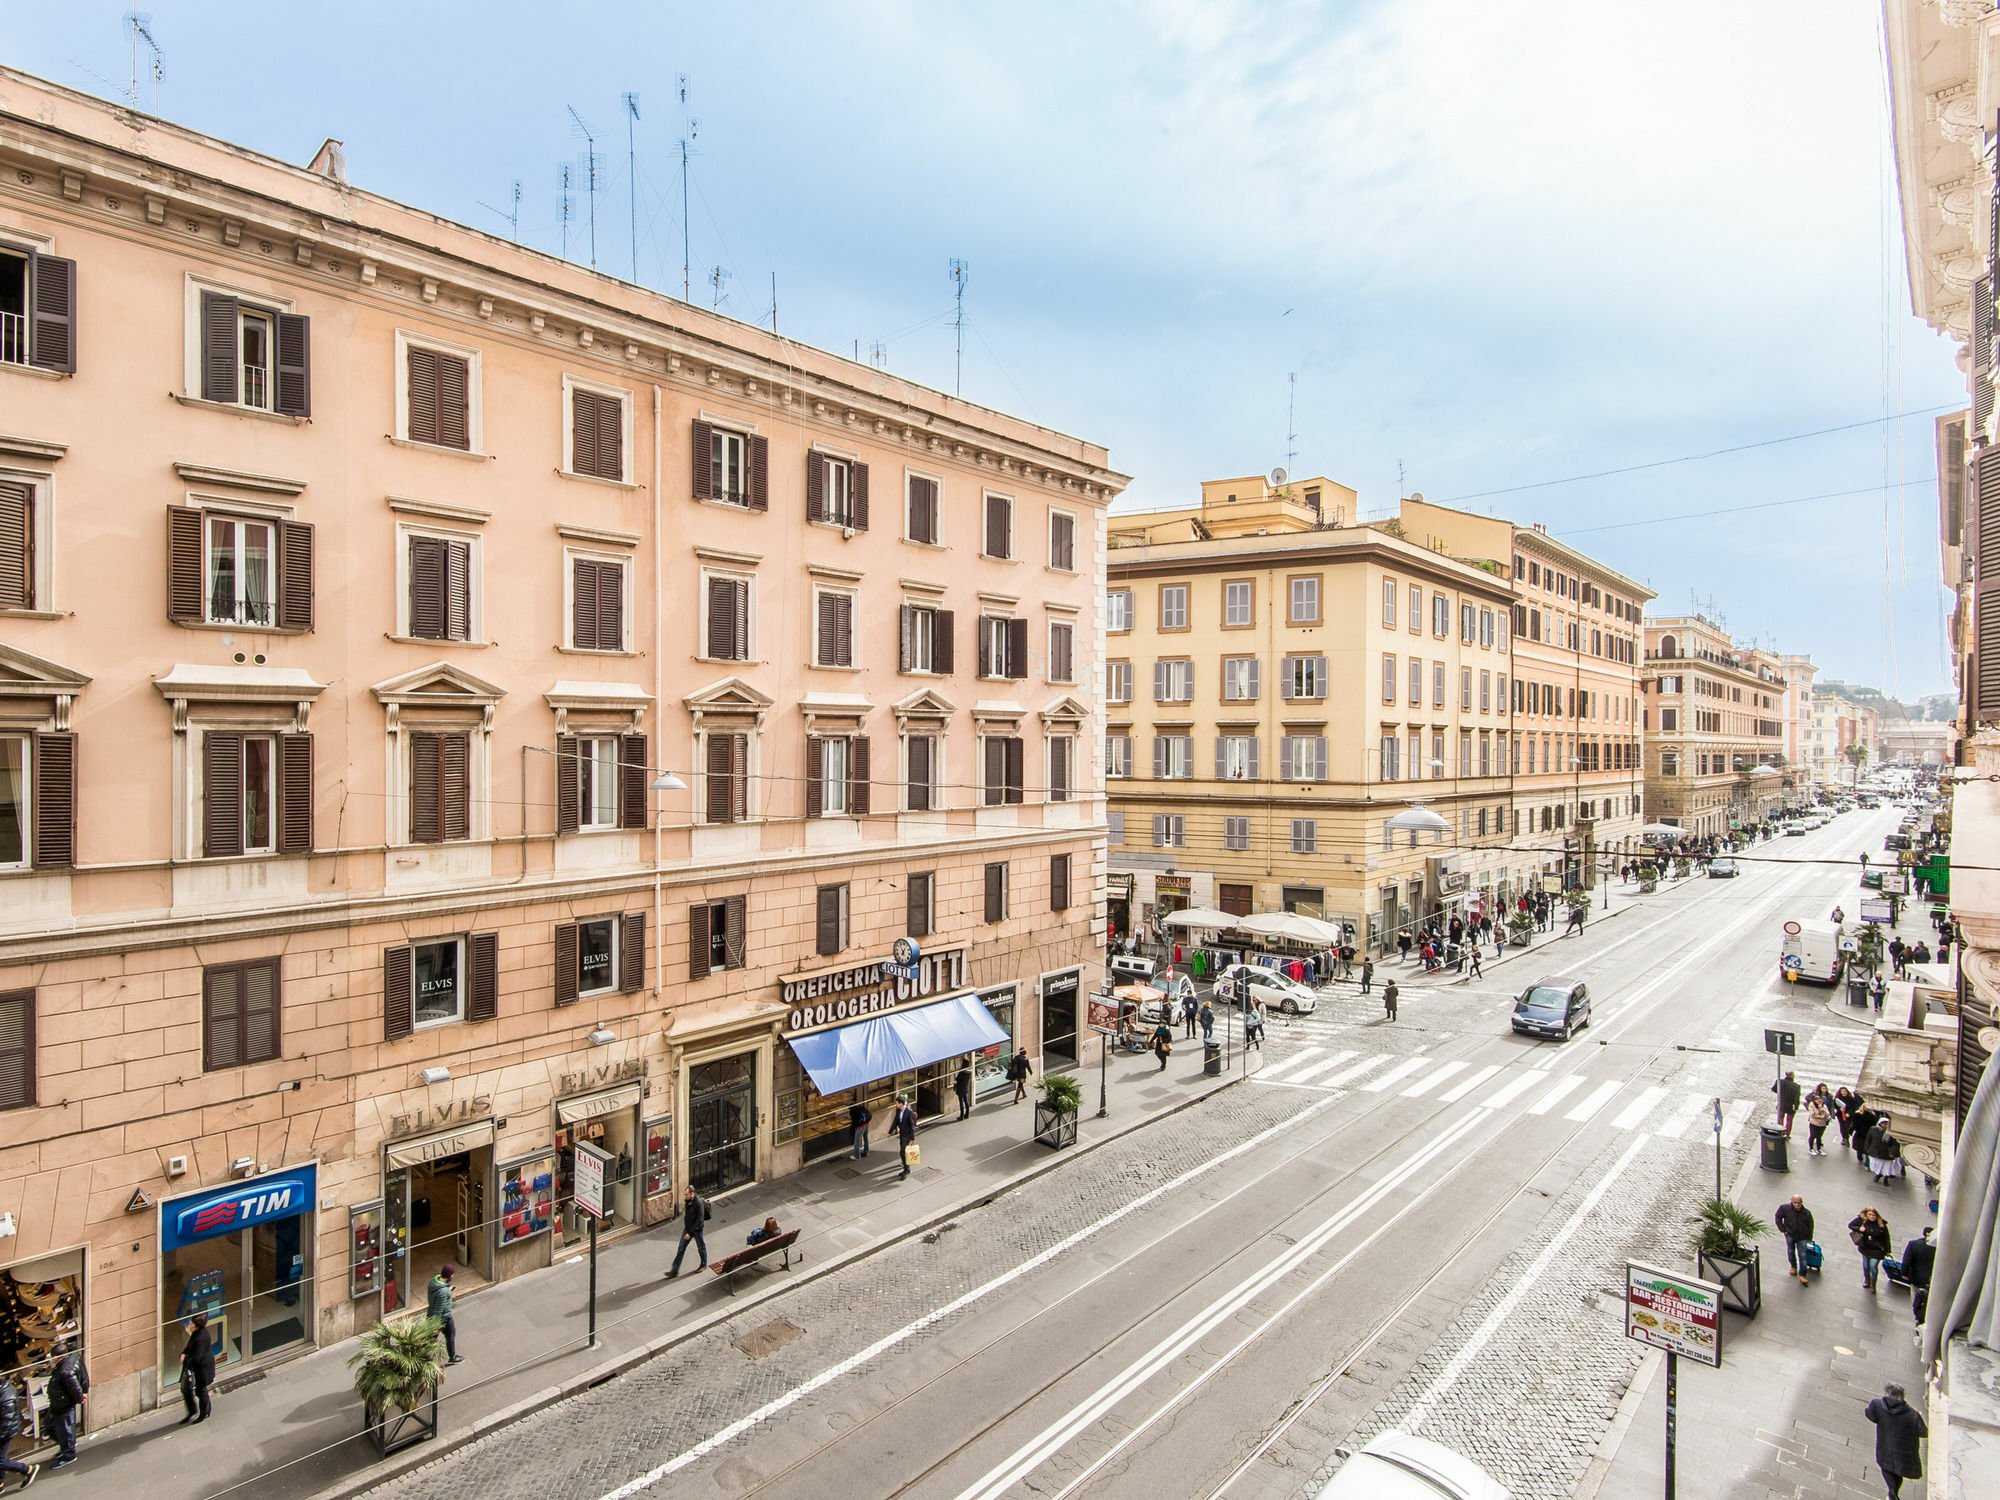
(777, 1244)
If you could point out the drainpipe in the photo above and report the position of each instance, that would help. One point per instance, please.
(659, 719)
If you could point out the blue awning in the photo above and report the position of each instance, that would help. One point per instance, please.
(842, 1057)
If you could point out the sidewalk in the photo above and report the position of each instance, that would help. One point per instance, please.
(294, 1430)
(1784, 1414)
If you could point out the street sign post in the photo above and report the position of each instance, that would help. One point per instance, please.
(590, 1164)
(1678, 1315)
(1781, 1045)
(1716, 1107)
(1102, 1011)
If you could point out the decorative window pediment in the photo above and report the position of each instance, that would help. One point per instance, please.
(924, 705)
(731, 697)
(597, 699)
(37, 688)
(438, 686)
(246, 685)
(1064, 712)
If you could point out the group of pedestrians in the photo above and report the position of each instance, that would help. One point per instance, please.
(68, 1384)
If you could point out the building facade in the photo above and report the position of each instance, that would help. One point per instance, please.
(1272, 699)
(1799, 673)
(1714, 728)
(1577, 765)
(1845, 738)
(456, 707)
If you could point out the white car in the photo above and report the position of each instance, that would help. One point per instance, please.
(1398, 1466)
(1277, 992)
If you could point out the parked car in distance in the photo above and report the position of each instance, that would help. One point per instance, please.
(1553, 1007)
(1398, 1466)
(1722, 869)
(1274, 989)
(1796, 830)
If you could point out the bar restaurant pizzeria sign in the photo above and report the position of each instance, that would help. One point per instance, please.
(843, 995)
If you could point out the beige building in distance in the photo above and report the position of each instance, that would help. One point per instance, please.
(1714, 727)
(455, 707)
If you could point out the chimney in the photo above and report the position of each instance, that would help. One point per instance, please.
(331, 161)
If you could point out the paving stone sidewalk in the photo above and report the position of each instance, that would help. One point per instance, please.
(294, 1430)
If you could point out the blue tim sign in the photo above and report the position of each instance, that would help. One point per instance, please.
(189, 1221)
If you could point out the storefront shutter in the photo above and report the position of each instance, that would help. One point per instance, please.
(815, 776)
(55, 801)
(760, 472)
(942, 654)
(399, 998)
(184, 565)
(815, 487)
(221, 794)
(699, 938)
(52, 339)
(633, 775)
(632, 952)
(295, 794)
(568, 812)
(858, 779)
(482, 999)
(735, 912)
(704, 461)
(294, 392)
(218, 348)
(567, 978)
(295, 575)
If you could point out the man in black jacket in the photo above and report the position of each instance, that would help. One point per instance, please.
(1917, 1258)
(69, 1383)
(694, 1220)
(10, 1428)
(1795, 1223)
(1787, 1090)
(1899, 1432)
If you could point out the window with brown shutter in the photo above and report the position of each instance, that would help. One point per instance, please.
(440, 787)
(632, 952)
(859, 780)
(835, 632)
(568, 979)
(999, 526)
(440, 589)
(1059, 758)
(1017, 648)
(921, 751)
(439, 398)
(1062, 652)
(17, 1049)
(241, 1013)
(830, 919)
(724, 796)
(1059, 882)
(816, 477)
(735, 931)
(1016, 769)
(1062, 541)
(221, 794)
(919, 906)
(701, 937)
(295, 575)
(55, 798)
(399, 992)
(716, 936)
(17, 545)
(184, 590)
(482, 996)
(922, 510)
(597, 605)
(996, 892)
(569, 811)
(728, 619)
(634, 776)
(815, 776)
(597, 435)
(294, 383)
(52, 335)
(857, 512)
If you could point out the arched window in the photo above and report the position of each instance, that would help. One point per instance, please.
(1667, 646)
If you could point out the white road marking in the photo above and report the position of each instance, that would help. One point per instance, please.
(1733, 1117)
(1432, 1079)
(1555, 1095)
(1348, 1075)
(1396, 1074)
(1595, 1100)
(1507, 1093)
(1465, 1086)
(1279, 1070)
(1683, 1115)
(1638, 1109)
(1323, 1066)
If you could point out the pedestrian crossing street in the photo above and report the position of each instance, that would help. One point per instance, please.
(1657, 1109)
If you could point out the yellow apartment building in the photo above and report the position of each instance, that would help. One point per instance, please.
(1715, 727)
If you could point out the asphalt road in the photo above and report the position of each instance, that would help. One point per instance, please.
(1407, 1224)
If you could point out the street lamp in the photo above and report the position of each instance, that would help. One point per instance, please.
(667, 781)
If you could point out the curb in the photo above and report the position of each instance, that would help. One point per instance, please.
(445, 1444)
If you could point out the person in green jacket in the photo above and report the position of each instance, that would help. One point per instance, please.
(440, 1310)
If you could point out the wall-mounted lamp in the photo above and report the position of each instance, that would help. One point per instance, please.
(434, 1075)
(243, 1166)
(603, 1037)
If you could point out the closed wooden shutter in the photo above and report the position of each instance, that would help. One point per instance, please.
(1059, 882)
(923, 510)
(760, 472)
(1016, 769)
(55, 796)
(455, 792)
(610, 606)
(1061, 653)
(943, 655)
(423, 382)
(425, 757)
(919, 795)
(815, 776)
(427, 588)
(843, 630)
(482, 996)
(826, 627)
(858, 779)
(702, 446)
(295, 575)
(633, 776)
(735, 931)
(184, 599)
(583, 432)
(994, 781)
(52, 295)
(295, 793)
(985, 626)
(725, 625)
(583, 604)
(699, 938)
(1017, 648)
(218, 348)
(17, 546)
(917, 906)
(568, 977)
(718, 790)
(568, 791)
(452, 406)
(858, 477)
(1059, 770)
(221, 794)
(294, 389)
(632, 952)
(996, 893)
(996, 526)
(17, 1049)
(815, 486)
(826, 919)
(458, 591)
(399, 995)
(611, 438)
(1062, 542)
(241, 1013)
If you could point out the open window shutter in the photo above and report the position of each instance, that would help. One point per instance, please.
(455, 797)
(734, 935)
(17, 548)
(860, 507)
(843, 620)
(1159, 757)
(583, 432)
(815, 487)
(1984, 532)
(610, 438)
(904, 649)
(632, 952)
(295, 575)
(698, 940)
(632, 779)
(55, 801)
(1015, 769)
(52, 290)
(760, 472)
(943, 653)
(427, 615)
(1017, 648)
(1159, 682)
(424, 757)
(294, 390)
(221, 1016)
(704, 461)
(1319, 676)
(815, 776)
(1256, 771)
(722, 619)
(1319, 758)
(568, 809)
(423, 382)
(458, 591)
(222, 794)
(858, 775)
(1253, 686)
(295, 793)
(218, 348)
(482, 999)
(568, 980)
(184, 565)
(1221, 757)
(583, 604)
(399, 992)
(452, 406)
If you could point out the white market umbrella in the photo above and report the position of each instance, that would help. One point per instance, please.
(1662, 831)
(1290, 924)
(1201, 916)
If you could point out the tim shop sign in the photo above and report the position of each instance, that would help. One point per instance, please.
(869, 989)
(282, 1195)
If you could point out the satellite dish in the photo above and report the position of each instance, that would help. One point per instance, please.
(1277, 476)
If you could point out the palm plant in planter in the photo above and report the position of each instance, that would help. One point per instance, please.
(1724, 1254)
(1521, 928)
(1056, 1110)
(1649, 878)
(396, 1373)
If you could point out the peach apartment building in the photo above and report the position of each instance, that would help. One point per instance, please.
(1714, 726)
(456, 707)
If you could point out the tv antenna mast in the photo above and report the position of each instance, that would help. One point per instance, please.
(565, 210)
(960, 274)
(513, 219)
(632, 177)
(716, 277)
(878, 354)
(590, 180)
(690, 128)
(138, 29)
(1291, 424)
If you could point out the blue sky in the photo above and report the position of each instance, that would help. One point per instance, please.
(1498, 245)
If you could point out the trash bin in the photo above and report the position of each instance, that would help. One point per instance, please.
(1857, 991)
(1774, 1153)
(1211, 1059)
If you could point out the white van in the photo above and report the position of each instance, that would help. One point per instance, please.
(1811, 950)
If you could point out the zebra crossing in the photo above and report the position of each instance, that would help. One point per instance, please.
(1658, 1109)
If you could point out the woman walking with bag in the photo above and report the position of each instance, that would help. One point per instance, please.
(1819, 1111)
(1870, 1233)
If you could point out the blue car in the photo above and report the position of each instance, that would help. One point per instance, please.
(1557, 1008)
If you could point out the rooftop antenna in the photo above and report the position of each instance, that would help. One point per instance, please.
(716, 277)
(137, 30)
(565, 211)
(590, 181)
(1291, 425)
(690, 128)
(774, 302)
(1402, 490)
(960, 273)
(878, 354)
(632, 177)
(513, 219)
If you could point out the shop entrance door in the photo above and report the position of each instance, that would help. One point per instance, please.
(434, 1214)
(1059, 1041)
(722, 1123)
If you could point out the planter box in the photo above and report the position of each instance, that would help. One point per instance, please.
(1522, 938)
(1742, 1281)
(394, 1430)
(1055, 1128)
(1647, 887)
